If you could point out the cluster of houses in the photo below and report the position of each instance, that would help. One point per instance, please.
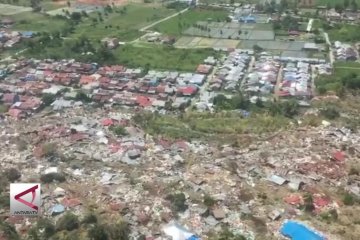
(8, 38)
(296, 80)
(261, 80)
(349, 16)
(230, 74)
(345, 52)
(25, 82)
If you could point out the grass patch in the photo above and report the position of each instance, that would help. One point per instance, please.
(162, 57)
(30, 21)
(175, 26)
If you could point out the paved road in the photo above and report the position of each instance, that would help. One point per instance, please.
(162, 20)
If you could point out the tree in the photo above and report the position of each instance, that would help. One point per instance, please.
(76, 17)
(339, 8)
(35, 5)
(48, 98)
(81, 96)
(346, 3)
(354, 5)
(257, 48)
(68, 3)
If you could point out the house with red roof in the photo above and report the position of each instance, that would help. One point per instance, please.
(143, 101)
(187, 90)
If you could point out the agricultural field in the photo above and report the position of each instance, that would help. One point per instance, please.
(175, 26)
(160, 57)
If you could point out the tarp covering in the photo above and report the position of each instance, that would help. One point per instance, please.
(297, 231)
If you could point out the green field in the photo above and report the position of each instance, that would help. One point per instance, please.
(175, 26)
(160, 57)
(344, 33)
(45, 4)
(124, 26)
(37, 22)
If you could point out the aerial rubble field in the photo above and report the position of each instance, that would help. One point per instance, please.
(142, 178)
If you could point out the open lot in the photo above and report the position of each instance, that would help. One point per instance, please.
(6, 9)
(175, 26)
(123, 26)
(201, 42)
(160, 57)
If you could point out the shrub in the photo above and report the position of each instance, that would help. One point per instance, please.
(118, 130)
(178, 201)
(209, 201)
(21, 145)
(97, 233)
(308, 203)
(51, 177)
(8, 231)
(330, 113)
(43, 230)
(68, 222)
(89, 218)
(12, 174)
(49, 149)
(226, 234)
(348, 199)
(119, 231)
(3, 108)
